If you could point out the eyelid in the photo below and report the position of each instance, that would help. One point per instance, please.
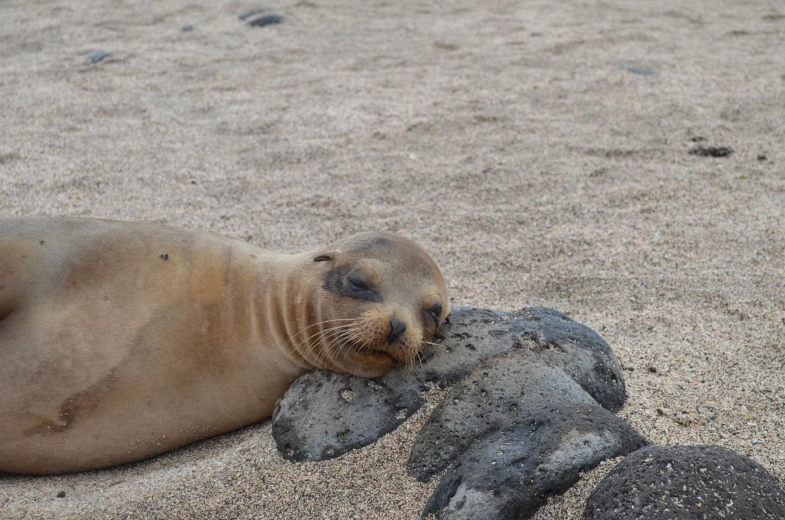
(359, 283)
(435, 311)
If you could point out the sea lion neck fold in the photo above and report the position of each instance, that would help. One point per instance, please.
(290, 309)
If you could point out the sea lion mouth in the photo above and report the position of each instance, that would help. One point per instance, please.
(378, 354)
(368, 352)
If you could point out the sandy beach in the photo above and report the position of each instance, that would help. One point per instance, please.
(539, 150)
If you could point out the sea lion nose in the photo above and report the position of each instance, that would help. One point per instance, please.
(397, 327)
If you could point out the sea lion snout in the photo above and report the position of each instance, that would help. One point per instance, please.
(397, 327)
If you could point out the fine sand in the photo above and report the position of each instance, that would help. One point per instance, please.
(539, 150)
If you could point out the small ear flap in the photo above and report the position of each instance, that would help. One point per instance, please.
(325, 257)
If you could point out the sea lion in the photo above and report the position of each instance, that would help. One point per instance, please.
(120, 341)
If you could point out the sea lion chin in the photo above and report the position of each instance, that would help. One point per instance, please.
(119, 341)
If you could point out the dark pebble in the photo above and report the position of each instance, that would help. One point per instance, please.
(711, 151)
(640, 71)
(96, 56)
(762, 157)
(268, 19)
(61, 494)
(188, 28)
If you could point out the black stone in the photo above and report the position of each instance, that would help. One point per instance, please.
(711, 151)
(686, 483)
(511, 473)
(61, 494)
(268, 19)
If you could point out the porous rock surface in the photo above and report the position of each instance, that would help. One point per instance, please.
(510, 473)
(499, 393)
(686, 483)
(324, 415)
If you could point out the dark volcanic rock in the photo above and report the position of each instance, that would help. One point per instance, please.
(475, 335)
(548, 337)
(498, 394)
(268, 19)
(686, 483)
(576, 349)
(510, 473)
(325, 414)
(711, 151)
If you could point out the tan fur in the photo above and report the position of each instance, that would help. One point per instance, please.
(120, 341)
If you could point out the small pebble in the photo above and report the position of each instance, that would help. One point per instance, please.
(187, 28)
(267, 19)
(711, 151)
(96, 56)
(640, 71)
(61, 494)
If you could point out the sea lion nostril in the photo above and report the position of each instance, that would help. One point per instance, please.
(397, 327)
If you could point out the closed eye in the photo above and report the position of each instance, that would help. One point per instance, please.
(435, 312)
(357, 285)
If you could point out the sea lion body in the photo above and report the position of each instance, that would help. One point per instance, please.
(120, 341)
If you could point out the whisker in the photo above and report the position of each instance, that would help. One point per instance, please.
(325, 331)
(351, 339)
(334, 340)
(322, 323)
(438, 345)
(316, 340)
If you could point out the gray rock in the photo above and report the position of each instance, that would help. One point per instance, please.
(575, 348)
(686, 483)
(474, 335)
(96, 56)
(510, 473)
(325, 414)
(268, 19)
(499, 393)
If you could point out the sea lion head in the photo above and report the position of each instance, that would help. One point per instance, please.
(380, 296)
